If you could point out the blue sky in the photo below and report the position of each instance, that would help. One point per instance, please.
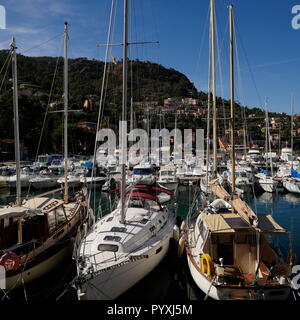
(268, 46)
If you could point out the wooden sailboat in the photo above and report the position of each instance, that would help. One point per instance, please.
(227, 246)
(37, 234)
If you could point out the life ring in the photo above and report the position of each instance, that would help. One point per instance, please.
(10, 261)
(207, 266)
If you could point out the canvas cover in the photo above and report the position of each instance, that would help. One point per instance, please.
(233, 223)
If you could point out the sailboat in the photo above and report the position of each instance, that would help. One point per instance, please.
(226, 243)
(292, 182)
(265, 181)
(127, 244)
(37, 234)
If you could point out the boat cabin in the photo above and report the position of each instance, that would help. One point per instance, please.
(241, 253)
(26, 228)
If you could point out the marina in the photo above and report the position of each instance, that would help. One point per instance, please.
(108, 202)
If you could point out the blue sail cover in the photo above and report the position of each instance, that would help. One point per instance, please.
(295, 174)
(89, 165)
(264, 171)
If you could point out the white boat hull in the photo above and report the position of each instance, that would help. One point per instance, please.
(291, 187)
(111, 284)
(12, 183)
(169, 185)
(226, 293)
(268, 187)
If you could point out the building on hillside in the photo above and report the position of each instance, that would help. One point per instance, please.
(275, 137)
(26, 89)
(275, 123)
(174, 102)
(296, 132)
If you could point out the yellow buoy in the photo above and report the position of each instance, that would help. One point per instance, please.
(207, 266)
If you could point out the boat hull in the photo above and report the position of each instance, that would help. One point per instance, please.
(109, 285)
(47, 184)
(235, 293)
(40, 269)
(291, 187)
(169, 185)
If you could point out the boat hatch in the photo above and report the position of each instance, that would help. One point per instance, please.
(108, 247)
(112, 238)
(144, 221)
(117, 229)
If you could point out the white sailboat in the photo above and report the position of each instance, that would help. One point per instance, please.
(292, 183)
(131, 241)
(264, 181)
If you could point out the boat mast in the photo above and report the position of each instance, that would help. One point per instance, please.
(269, 146)
(292, 128)
(213, 55)
(232, 97)
(124, 105)
(66, 102)
(16, 121)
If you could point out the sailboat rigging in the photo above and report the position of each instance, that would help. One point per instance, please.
(127, 244)
(226, 243)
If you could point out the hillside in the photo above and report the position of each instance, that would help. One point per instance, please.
(149, 82)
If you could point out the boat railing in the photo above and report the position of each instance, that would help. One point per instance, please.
(126, 259)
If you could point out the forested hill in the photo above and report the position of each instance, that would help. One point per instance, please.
(149, 80)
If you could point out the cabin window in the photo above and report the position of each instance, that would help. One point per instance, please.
(152, 229)
(56, 218)
(117, 229)
(112, 238)
(144, 221)
(61, 217)
(109, 219)
(158, 250)
(202, 229)
(108, 247)
(136, 203)
(52, 223)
